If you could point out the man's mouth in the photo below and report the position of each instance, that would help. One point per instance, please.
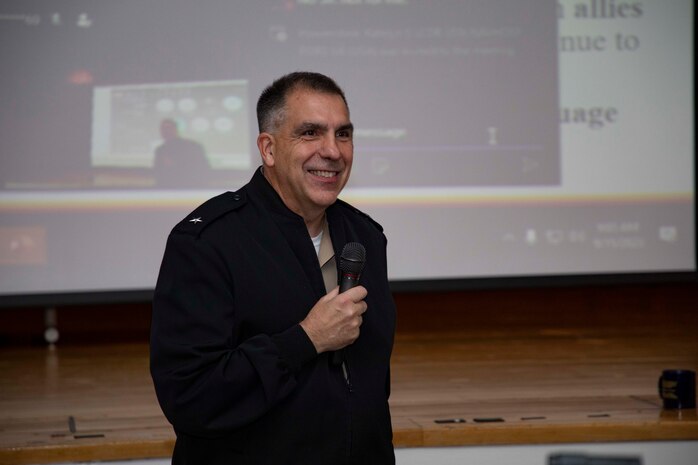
(323, 174)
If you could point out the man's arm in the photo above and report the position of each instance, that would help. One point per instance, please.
(207, 382)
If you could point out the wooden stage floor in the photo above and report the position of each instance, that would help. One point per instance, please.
(515, 386)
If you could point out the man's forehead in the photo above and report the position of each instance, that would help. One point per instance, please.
(308, 99)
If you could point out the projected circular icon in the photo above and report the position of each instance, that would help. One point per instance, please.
(232, 103)
(223, 124)
(187, 105)
(200, 125)
(164, 105)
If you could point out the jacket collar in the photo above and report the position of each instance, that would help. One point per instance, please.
(260, 187)
(292, 228)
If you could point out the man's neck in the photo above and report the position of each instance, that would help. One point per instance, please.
(315, 225)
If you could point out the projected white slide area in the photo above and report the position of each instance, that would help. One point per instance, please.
(493, 139)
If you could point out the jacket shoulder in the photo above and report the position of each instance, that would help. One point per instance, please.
(210, 211)
(352, 209)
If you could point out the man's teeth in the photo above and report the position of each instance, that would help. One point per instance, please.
(324, 174)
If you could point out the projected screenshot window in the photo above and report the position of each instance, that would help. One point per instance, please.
(174, 129)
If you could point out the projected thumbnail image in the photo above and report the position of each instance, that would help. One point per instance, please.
(181, 131)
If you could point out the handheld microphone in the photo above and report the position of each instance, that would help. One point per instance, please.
(351, 264)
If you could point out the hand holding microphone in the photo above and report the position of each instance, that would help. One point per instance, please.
(335, 320)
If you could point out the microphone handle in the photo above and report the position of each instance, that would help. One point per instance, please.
(349, 280)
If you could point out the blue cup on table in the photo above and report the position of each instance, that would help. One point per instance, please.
(677, 388)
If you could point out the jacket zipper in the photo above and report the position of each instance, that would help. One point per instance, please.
(345, 372)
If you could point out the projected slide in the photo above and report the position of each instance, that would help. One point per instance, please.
(492, 138)
(181, 130)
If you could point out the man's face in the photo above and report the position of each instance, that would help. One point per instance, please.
(310, 155)
(168, 129)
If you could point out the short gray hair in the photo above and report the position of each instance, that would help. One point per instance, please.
(271, 106)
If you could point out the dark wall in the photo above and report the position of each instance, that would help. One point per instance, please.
(609, 307)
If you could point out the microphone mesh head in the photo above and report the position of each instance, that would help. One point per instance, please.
(353, 258)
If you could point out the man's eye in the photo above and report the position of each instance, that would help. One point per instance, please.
(344, 134)
(309, 132)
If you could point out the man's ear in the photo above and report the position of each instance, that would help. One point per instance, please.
(265, 144)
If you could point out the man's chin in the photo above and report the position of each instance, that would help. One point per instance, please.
(325, 199)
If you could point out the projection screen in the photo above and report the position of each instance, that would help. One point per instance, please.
(518, 138)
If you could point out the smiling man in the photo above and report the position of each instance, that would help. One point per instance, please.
(308, 155)
(247, 314)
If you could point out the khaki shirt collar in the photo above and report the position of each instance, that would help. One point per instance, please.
(326, 258)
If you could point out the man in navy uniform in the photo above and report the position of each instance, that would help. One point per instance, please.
(247, 315)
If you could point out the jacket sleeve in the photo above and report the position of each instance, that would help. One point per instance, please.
(208, 383)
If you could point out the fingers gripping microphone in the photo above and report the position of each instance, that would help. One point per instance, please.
(351, 264)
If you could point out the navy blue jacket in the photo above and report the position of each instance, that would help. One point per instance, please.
(234, 372)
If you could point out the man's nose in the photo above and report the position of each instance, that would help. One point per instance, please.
(330, 148)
